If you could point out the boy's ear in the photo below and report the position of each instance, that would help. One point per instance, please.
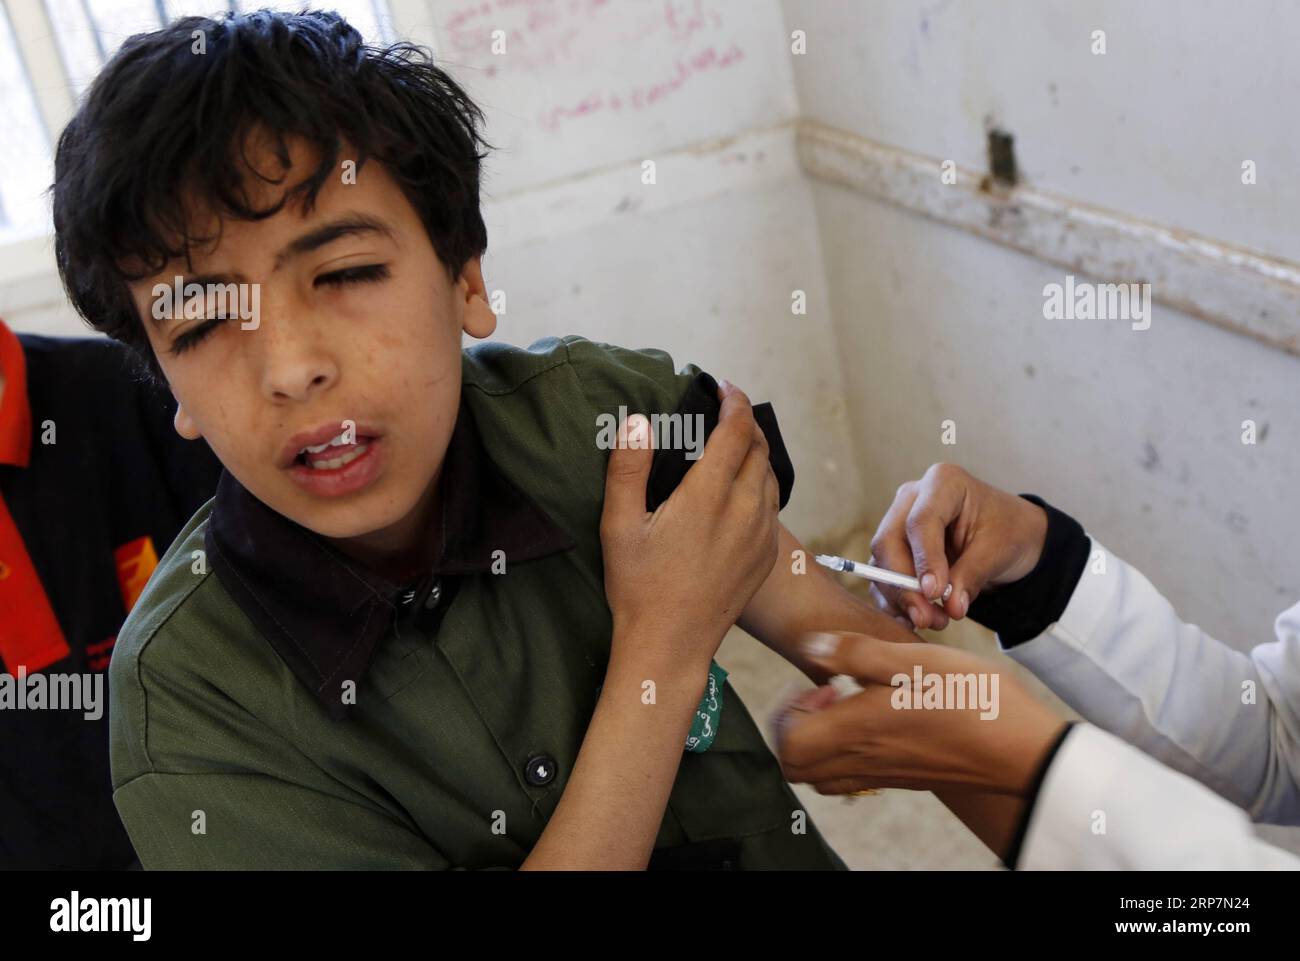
(478, 319)
(185, 425)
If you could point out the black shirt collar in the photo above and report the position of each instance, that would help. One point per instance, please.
(324, 613)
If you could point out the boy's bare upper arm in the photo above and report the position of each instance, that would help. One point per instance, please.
(800, 597)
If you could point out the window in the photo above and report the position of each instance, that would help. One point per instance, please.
(90, 31)
(25, 146)
(41, 78)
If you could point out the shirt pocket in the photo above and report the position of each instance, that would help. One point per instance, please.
(736, 787)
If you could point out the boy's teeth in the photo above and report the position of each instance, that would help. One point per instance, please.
(336, 442)
(339, 461)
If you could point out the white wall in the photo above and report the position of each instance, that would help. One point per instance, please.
(1157, 127)
(585, 84)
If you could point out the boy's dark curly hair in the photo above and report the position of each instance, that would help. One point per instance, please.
(164, 124)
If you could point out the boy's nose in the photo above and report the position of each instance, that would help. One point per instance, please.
(295, 360)
(296, 378)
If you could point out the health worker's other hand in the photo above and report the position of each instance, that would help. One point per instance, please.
(994, 738)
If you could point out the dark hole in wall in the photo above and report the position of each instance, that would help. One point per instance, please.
(1002, 158)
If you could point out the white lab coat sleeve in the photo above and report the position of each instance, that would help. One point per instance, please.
(1104, 805)
(1120, 656)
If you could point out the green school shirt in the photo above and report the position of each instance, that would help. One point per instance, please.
(275, 705)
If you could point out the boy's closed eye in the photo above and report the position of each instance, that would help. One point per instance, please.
(361, 274)
(366, 273)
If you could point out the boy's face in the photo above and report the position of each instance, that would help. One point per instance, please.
(357, 334)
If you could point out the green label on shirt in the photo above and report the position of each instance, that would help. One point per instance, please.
(707, 716)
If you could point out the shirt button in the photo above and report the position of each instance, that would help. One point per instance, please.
(540, 770)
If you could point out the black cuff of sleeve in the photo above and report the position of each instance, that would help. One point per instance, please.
(1024, 609)
(701, 400)
(1017, 842)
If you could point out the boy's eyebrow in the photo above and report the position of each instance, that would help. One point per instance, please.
(344, 226)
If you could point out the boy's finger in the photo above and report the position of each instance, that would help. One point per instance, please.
(772, 490)
(756, 467)
(628, 471)
(727, 447)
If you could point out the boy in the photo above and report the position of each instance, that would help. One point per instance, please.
(426, 621)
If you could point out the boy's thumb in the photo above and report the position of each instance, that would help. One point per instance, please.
(629, 468)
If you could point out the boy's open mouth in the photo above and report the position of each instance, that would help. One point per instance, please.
(333, 460)
(329, 442)
(333, 453)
